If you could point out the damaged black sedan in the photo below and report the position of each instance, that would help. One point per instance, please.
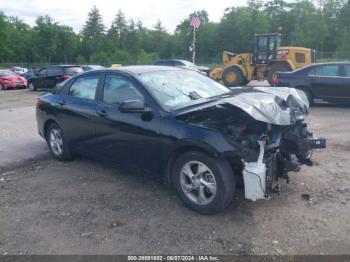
(196, 134)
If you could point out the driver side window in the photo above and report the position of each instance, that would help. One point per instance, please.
(118, 89)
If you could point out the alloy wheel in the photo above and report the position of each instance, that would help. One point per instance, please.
(31, 87)
(56, 141)
(198, 182)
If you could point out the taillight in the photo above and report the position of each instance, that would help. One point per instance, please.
(38, 102)
(65, 77)
(276, 81)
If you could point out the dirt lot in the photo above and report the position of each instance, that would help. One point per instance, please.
(85, 207)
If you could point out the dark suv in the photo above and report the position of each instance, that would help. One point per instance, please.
(51, 75)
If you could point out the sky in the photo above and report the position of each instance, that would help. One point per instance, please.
(74, 13)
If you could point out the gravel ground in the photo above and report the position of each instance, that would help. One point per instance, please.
(85, 207)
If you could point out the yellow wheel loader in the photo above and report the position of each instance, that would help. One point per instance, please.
(268, 58)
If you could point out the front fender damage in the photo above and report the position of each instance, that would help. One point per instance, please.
(272, 117)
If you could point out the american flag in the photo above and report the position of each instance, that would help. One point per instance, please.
(195, 21)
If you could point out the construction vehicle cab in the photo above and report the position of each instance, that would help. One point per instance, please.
(267, 59)
(265, 48)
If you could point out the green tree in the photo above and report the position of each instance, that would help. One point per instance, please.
(92, 33)
(118, 31)
(5, 48)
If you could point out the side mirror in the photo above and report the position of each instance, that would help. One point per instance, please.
(133, 106)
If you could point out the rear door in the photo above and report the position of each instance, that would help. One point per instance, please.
(54, 76)
(76, 111)
(326, 81)
(128, 138)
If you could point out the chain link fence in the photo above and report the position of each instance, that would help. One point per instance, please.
(322, 56)
(336, 56)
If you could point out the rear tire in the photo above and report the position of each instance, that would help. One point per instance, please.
(57, 143)
(32, 86)
(271, 74)
(308, 95)
(204, 184)
(233, 76)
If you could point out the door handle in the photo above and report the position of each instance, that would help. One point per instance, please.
(62, 102)
(101, 112)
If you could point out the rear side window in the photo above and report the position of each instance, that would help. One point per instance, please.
(119, 89)
(84, 87)
(54, 71)
(347, 70)
(73, 70)
(327, 70)
(43, 72)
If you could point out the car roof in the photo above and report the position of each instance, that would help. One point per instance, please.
(332, 63)
(171, 59)
(141, 69)
(63, 66)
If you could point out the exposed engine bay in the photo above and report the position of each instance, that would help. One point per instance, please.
(266, 127)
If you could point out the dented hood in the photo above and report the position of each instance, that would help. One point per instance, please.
(274, 105)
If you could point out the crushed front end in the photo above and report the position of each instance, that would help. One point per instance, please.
(267, 131)
(285, 147)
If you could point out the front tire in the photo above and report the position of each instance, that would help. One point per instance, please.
(232, 77)
(57, 143)
(204, 184)
(308, 95)
(32, 86)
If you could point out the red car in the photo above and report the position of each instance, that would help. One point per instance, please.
(9, 80)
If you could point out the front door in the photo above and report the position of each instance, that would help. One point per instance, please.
(40, 79)
(345, 88)
(126, 137)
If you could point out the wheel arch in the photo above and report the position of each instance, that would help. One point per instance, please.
(48, 122)
(193, 146)
(181, 148)
(306, 88)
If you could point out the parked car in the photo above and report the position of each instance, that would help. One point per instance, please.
(198, 135)
(49, 76)
(183, 64)
(19, 70)
(91, 67)
(9, 80)
(328, 81)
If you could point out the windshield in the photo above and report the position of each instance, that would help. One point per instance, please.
(178, 88)
(6, 73)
